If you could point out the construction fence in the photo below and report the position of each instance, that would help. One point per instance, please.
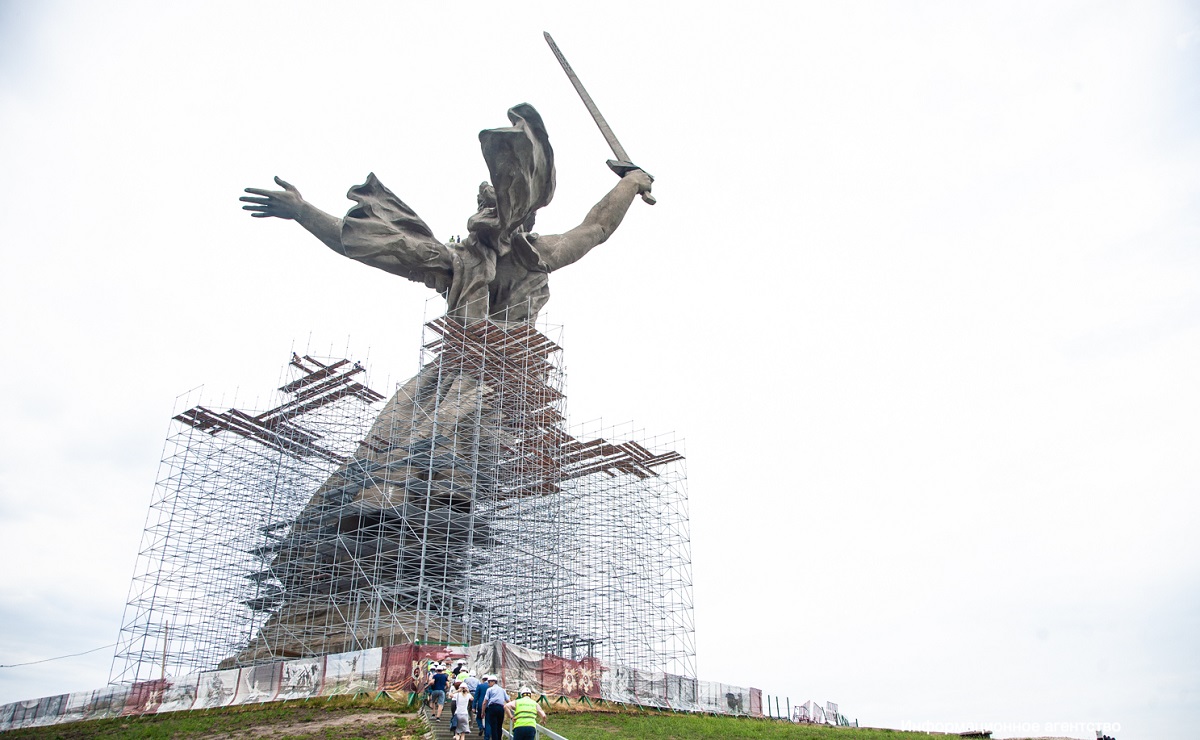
(400, 671)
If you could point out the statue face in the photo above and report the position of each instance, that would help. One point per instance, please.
(485, 225)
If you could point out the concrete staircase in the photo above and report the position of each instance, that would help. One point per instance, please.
(439, 730)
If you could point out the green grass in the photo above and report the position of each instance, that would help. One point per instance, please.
(290, 720)
(608, 726)
(346, 718)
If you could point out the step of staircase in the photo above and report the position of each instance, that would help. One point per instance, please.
(438, 729)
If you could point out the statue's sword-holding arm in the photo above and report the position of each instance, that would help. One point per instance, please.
(622, 163)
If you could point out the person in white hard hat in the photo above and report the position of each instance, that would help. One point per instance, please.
(460, 708)
(493, 709)
(525, 713)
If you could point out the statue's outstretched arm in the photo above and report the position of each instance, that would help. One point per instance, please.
(398, 242)
(290, 205)
(604, 218)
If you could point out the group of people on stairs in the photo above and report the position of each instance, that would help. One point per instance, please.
(486, 699)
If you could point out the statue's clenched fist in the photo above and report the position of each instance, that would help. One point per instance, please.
(641, 178)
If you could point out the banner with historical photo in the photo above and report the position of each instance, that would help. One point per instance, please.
(39, 712)
(107, 702)
(258, 683)
(23, 713)
(216, 689)
(74, 711)
(485, 658)
(650, 687)
(520, 668)
(617, 684)
(352, 673)
(301, 678)
(681, 693)
(144, 697)
(722, 698)
(179, 694)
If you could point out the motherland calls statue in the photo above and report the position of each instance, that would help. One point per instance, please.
(379, 555)
(500, 270)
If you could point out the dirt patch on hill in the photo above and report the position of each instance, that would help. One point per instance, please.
(357, 725)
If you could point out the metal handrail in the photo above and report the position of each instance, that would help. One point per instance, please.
(543, 731)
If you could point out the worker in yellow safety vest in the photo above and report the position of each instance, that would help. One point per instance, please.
(525, 713)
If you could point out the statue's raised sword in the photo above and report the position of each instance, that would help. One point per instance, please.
(622, 163)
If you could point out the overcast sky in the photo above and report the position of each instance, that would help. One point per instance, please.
(920, 292)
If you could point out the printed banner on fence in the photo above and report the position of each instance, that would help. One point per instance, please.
(406, 667)
(617, 684)
(77, 706)
(398, 669)
(107, 702)
(651, 688)
(520, 667)
(681, 693)
(403, 668)
(722, 698)
(301, 678)
(180, 693)
(24, 713)
(485, 658)
(216, 689)
(571, 678)
(39, 712)
(144, 697)
(258, 683)
(352, 673)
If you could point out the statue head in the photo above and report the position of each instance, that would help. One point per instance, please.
(520, 161)
(485, 224)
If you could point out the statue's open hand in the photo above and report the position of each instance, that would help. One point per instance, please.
(284, 203)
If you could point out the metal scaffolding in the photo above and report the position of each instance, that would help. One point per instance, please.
(462, 510)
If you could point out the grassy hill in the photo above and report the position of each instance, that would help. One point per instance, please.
(344, 718)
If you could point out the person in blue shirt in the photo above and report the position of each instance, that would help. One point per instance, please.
(437, 686)
(480, 689)
(493, 709)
